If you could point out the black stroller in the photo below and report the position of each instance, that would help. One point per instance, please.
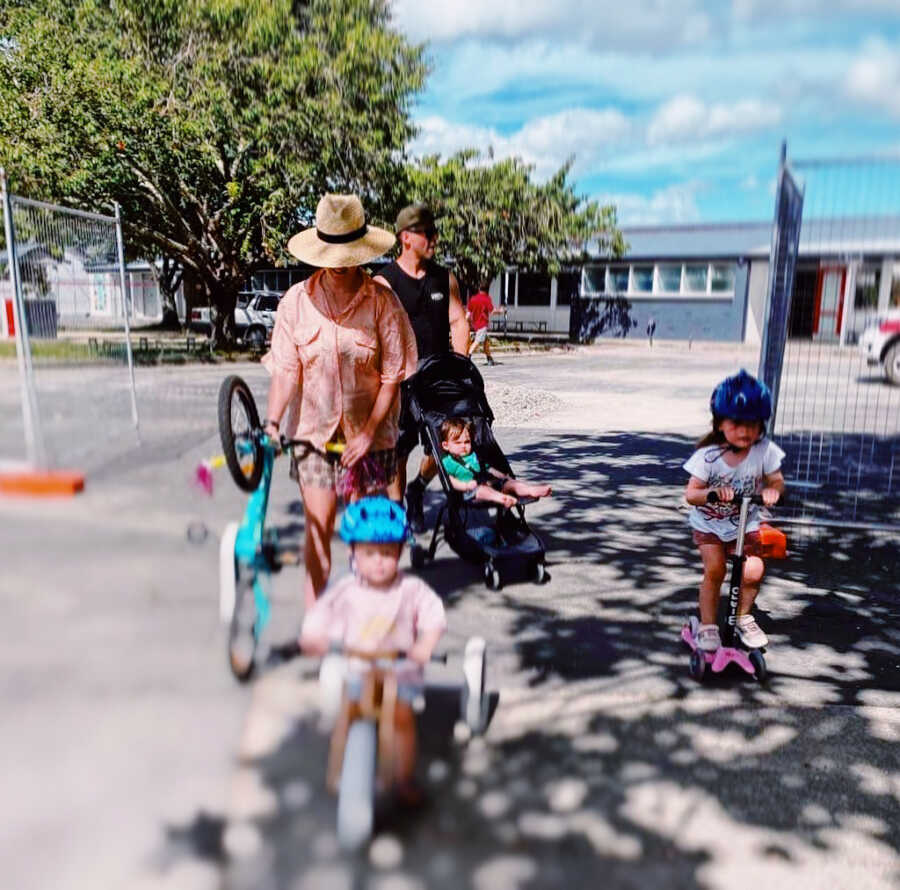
(482, 533)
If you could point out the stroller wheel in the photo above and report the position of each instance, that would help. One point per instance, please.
(418, 556)
(540, 573)
(492, 577)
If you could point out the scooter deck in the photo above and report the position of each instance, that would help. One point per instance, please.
(722, 657)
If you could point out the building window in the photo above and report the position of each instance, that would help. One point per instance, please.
(868, 282)
(641, 279)
(695, 278)
(534, 289)
(595, 279)
(663, 279)
(721, 279)
(566, 287)
(668, 279)
(617, 280)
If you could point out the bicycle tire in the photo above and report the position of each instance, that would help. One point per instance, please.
(356, 793)
(234, 391)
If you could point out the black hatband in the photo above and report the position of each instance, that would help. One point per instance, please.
(355, 235)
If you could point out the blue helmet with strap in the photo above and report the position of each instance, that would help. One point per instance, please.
(742, 397)
(374, 520)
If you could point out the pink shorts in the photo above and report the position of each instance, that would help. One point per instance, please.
(752, 542)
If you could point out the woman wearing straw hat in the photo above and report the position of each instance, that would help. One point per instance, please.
(341, 346)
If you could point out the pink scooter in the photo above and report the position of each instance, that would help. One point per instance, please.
(749, 660)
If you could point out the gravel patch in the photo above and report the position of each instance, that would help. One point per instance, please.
(519, 405)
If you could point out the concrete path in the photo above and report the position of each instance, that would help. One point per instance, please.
(137, 761)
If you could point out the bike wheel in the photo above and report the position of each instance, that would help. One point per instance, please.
(242, 632)
(356, 793)
(227, 572)
(239, 431)
(472, 703)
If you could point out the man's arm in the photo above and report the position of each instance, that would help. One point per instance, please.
(459, 325)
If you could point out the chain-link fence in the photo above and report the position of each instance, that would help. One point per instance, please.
(67, 389)
(837, 412)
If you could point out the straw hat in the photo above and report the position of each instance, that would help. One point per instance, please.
(340, 236)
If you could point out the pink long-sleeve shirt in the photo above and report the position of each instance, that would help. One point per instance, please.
(339, 363)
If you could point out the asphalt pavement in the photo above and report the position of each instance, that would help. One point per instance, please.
(133, 759)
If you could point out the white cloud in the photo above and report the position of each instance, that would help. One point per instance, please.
(673, 204)
(546, 142)
(644, 23)
(686, 119)
(874, 77)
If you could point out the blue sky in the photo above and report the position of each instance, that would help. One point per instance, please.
(673, 109)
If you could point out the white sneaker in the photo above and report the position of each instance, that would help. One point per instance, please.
(750, 633)
(708, 639)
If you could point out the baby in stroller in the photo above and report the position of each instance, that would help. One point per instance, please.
(483, 483)
(489, 531)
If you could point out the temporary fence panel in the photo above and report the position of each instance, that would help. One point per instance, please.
(837, 414)
(68, 268)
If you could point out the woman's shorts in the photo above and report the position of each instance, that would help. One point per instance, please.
(752, 542)
(315, 470)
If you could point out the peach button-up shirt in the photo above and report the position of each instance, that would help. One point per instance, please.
(339, 363)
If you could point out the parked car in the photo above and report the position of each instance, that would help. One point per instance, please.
(254, 318)
(880, 344)
(200, 320)
(254, 321)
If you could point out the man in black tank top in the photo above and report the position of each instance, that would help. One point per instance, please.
(430, 295)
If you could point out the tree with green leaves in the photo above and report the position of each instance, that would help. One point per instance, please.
(216, 124)
(492, 215)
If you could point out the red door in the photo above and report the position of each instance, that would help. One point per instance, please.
(829, 302)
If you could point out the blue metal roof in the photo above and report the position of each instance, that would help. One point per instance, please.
(870, 235)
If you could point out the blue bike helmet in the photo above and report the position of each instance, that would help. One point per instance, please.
(742, 397)
(375, 520)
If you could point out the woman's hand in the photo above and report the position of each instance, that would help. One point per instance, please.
(770, 496)
(357, 448)
(272, 431)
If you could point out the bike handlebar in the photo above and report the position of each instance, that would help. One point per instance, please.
(383, 655)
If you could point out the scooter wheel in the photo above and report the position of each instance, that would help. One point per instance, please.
(759, 665)
(698, 665)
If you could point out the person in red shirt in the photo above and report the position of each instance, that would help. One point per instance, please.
(479, 310)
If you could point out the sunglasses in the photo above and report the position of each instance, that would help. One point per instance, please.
(428, 231)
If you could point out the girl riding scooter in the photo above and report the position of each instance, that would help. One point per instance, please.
(735, 457)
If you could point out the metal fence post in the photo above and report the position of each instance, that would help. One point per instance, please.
(126, 305)
(34, 440)
(782, 264)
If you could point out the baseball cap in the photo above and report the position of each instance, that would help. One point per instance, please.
(414, 216)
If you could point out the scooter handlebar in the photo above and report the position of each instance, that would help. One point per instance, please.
(713, 498)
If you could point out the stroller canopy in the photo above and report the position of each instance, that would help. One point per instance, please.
(450, 385)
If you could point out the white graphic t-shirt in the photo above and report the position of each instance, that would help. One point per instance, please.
(709, 465)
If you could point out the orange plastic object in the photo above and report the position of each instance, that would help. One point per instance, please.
(774, 542)
(42, 484)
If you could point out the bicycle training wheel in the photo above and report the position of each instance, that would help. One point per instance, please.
(239, 431)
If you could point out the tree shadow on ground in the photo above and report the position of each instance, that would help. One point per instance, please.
(606, 761)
